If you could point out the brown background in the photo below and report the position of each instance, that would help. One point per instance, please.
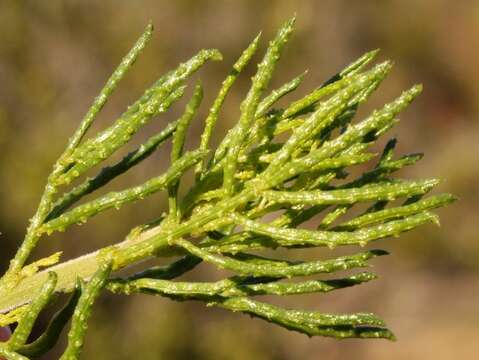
(55, 55)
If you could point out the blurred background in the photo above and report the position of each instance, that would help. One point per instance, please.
(56, 55)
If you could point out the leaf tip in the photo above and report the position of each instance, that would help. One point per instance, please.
(150, 28)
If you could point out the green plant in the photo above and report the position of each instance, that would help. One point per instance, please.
(225, 219)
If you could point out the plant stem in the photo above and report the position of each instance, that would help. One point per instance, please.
(154, 242)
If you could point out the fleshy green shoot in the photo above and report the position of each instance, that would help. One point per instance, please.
(277, 168)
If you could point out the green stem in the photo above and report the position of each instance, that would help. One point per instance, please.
(153, 242)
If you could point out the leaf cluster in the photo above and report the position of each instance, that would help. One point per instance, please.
(276, 169)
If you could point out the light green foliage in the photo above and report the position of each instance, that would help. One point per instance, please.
(48, 339)
(116, 199)
(89, 293)
(25, 324)
(213, 114)
(274, 170)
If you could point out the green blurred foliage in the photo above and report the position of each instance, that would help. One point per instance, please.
(54, 57)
